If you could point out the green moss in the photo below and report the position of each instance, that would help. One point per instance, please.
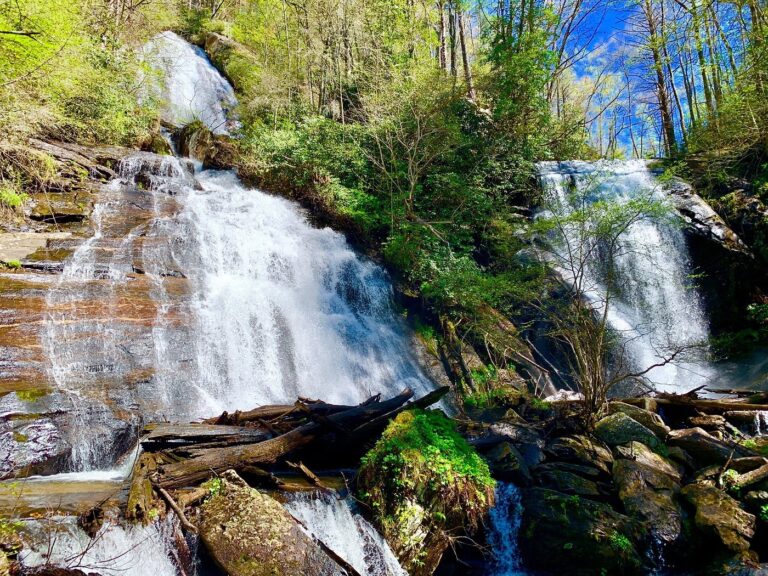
(11, 264)
(31, 395)
(421, 462)
(20, 438)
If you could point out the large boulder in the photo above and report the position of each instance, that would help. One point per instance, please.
(721, 517)
(704, 448)
(248, 533)
(639, 452)
(568, 482)
(507, 464)
(216, 151)
(648, 493)
(649, 419)
(619, 428)
(572, 536)
(581, 450)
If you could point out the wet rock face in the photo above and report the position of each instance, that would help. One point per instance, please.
(701, 218)
(250, 534)
(581, 450)
(32, 447)
(721, 517)
(213, 150)
(581, 537)
(649, 494)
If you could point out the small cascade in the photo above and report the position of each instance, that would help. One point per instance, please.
(658, 308)
(336, 524)
(505, 518)
(761, 423)
(113, 551)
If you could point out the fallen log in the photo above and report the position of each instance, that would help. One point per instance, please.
(278, 411)
(705, 406)
(206, 462)
(162, 436)
(752, 477)
(141, 497)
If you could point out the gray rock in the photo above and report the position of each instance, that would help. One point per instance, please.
(619, 429)
(704, 448)
(649, 419)
(701, 219)
(581, 450)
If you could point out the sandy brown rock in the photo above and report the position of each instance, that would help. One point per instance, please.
(720, 516)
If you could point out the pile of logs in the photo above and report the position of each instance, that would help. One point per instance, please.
(179, 457)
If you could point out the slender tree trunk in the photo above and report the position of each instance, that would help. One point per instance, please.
(441, 55)
(665, 109)
(465, 57)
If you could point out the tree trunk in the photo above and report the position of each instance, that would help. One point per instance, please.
(465, 57)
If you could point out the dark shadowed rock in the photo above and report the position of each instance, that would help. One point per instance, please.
(568, 535)
(581, 450)
(640, 453)
(721, 517)
(507, 464)
(248, 533)
(568, 482)
(704, 448)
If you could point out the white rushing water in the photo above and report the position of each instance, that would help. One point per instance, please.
(113, 551)
(337, 525)
(505, 519)
(196, 294)
(658, 308)
(192, 88)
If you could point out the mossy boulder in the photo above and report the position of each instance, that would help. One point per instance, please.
(619, 428)
(649, 419)
(248, 533)
(721, 517)
(216, 151)
(573, 536)
(704, 448)
(422, 481)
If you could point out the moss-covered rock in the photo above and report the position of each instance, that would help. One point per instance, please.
(649, 419)
(250, 534)
(581, 450)
(721, 517)
(423, 481)
(573, 536)
(619, 428)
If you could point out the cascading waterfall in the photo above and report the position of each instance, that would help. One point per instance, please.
(336, 524)
(208, 296)
(505, 519)
(196, 295)
(658, 308)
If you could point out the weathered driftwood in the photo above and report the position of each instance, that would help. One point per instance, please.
(203, 463)
(267, 413)
(752, 477)
(162, 436)
(186, 524)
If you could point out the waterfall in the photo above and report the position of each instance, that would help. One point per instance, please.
(505, 519)
(336, 524)
(657, 308)
(113, 551)
(192, 89)
(196, 294)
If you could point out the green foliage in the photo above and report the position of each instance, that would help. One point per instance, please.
(11, 198)
(421, 457)
(12, 264)
(764, 513)
(213, 486)
(620, 542)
